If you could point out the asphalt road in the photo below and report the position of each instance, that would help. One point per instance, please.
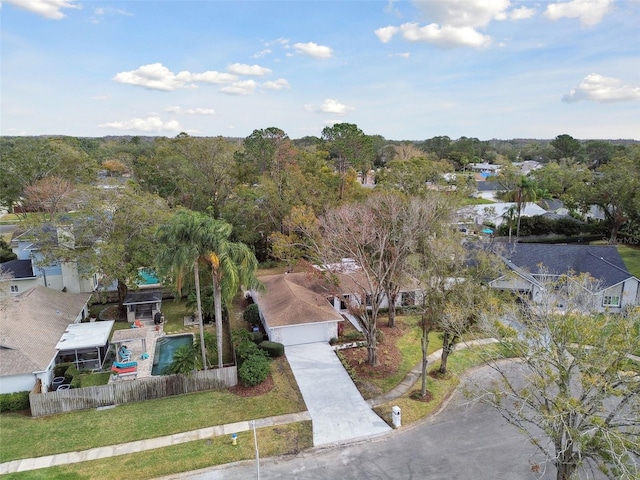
(4, 229)
(464, 441)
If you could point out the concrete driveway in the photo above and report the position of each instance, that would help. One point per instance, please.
(338, 411)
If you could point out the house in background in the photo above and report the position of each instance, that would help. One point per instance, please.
(530, 262)
(20, 276)
(494, 213)
(31, 327)
(59, 276)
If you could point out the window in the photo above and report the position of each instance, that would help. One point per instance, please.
(14, 288)
(408, 299)
(611, 301)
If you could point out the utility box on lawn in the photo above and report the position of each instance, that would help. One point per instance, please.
(396, 416)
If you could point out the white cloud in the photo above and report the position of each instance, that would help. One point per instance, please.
(401, 55)
(601, 89)
(463, 13)
(521, 13)
(314, 50)
(150, 124)
(590, 12)
(454, 22)
(190, 111)
(262, 53)
(385, 34)
(279, 84)
(100, 13)
(277, 41)
(51, 9)
(246, 87)
(156, 76)
(333, 106)
(444, 36)
(242, 69)
(212, 77)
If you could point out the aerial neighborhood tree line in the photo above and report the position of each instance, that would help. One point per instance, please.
(207, 210)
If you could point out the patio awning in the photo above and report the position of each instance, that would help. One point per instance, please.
(85, 335)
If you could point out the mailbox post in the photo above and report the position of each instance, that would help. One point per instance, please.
(396, 416)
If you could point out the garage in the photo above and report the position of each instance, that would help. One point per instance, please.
(295, 311)
(301, 334)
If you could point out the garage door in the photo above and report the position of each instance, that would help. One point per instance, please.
(300, 334)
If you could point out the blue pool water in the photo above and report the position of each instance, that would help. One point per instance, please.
(165, 346)
(148, 277)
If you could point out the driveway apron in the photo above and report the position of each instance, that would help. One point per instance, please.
(338, 411)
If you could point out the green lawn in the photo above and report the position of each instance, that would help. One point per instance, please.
(410, 344)
(631, 257)
(439, 388)
(79, 430)
(280, 440)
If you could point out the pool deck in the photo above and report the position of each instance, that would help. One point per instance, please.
(150, 334)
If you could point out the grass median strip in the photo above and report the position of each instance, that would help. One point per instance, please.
(32, 437)
(272, 441)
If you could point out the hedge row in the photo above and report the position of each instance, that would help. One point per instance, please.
(14, 402)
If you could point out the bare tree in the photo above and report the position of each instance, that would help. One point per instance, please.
(378, 236)
(576, 394)
(48, 195)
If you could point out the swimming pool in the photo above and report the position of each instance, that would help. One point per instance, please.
(165, 346)
(148, 276)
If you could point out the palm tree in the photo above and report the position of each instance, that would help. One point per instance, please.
(183, 240)
(192, 238)
(524, 192)
(509, 217)
(232, 265)
(185, 361)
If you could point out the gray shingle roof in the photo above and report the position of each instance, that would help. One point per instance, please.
(18, 268)
(601, 262)
(31, 326)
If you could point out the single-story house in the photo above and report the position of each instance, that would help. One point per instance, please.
(299, 308)
(494, 213)
(530, 262)
(31, 327)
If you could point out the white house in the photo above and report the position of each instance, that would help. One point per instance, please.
(31, 326)
(494, 213)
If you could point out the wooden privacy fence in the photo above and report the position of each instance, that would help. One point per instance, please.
(119, 393)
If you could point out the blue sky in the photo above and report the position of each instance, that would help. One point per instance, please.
(404, 70)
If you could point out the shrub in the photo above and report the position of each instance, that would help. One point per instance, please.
(239, 336)
(14, 402)
(61, 369)
(254, 370)
(252, 314)
(274, 349)
(352, 336)
(257, 337)
(70, 374)
(248, 349)
(75, 382)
